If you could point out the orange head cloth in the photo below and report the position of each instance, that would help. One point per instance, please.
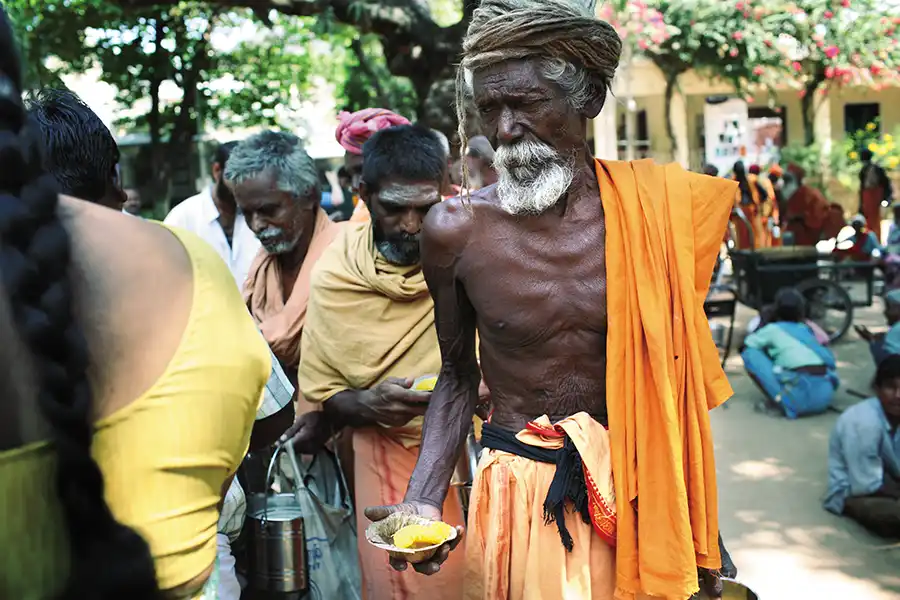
(355, 128)
(776, 170)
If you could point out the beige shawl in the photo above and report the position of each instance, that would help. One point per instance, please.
(367, 320)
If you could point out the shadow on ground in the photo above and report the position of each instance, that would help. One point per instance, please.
(772, 476)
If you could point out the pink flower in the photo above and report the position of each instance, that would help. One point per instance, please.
(797, 66)
(643, 45)
(739, 6)
(758, 70)
(832, 51)
(768, 43)
(875, 70)
(737, 35)
(830, 72)
(749, 99)
(733, 52)
(828, 14)
(845, 3)
(801, 94)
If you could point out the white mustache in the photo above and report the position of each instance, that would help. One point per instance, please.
(525, 156)
(270, 233)
(532, 177)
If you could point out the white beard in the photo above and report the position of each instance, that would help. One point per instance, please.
(531, 177)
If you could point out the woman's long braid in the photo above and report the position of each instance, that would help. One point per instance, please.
(108, 560)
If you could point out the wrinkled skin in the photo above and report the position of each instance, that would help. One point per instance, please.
(535, 286)
(269, 210)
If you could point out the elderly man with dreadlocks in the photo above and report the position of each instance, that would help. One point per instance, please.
(599, 479)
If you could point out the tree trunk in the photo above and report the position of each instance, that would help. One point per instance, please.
(160, 184)
(809, 117)
(808, 107)
(671, 81)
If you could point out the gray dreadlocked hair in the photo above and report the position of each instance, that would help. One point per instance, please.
(575, 50)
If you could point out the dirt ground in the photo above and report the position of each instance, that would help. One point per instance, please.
(772, 477)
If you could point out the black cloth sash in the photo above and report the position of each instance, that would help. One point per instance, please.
(568, 480)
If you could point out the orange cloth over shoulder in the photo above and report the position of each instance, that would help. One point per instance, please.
(664, 228)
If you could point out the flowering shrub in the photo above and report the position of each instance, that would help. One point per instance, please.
(845, 157)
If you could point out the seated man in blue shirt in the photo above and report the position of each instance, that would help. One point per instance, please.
(794, 370)
(883, 345)
(864, 457)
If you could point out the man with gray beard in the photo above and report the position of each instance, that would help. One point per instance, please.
(585, 280)
(276, 186)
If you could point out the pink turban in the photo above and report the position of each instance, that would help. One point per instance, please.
(355, 128)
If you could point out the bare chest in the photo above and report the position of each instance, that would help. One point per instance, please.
(528, 287)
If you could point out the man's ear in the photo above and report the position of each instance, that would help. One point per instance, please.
(216, 171)
(363, 192)
(597, 100)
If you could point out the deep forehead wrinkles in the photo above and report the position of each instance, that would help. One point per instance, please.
(509, 79)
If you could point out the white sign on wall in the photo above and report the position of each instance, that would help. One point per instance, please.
(726, 126)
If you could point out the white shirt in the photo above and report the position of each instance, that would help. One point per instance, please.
(198, 214)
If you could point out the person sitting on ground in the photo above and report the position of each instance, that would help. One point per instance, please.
(882, 345)
(77, 148)
(145, 374)
(795, 372)
(864, 457)
(767, 315)
(864, 242)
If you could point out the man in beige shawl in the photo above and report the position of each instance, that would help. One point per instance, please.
(276, 186)
(370, 332)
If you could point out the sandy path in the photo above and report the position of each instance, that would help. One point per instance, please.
(772, 476)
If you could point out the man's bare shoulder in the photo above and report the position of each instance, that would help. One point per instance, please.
(451, 223)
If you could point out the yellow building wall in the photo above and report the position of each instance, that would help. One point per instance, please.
(888, 100)
(642, 81)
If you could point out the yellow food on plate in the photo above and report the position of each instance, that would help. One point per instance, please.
(425, 383)
(413, 537)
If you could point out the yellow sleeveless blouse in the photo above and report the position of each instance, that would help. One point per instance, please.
(164, 457)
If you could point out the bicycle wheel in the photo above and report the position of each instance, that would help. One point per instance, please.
(828, 305)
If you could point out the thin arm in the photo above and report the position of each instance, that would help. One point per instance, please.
(454, 398)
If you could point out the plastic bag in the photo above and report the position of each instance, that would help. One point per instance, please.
(330, 527)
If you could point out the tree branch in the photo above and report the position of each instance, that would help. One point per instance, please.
(413, 42)
(366, 66)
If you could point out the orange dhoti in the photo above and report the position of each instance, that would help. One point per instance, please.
(382, 467)
(511, 553)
